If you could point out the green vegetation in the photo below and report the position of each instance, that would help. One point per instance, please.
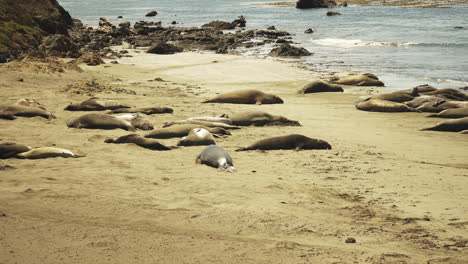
(8, 28)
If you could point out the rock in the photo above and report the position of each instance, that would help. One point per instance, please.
(286, 50)
(125, 24)
(309, 31)
(164, 48)
(119, 17)
(315, 4)
(281, 41)
(331, 13)
(59, 46)
(350, 240)
(91, 59)
(344, 4)
(151, 14)
(220, 25)
(239, 22)
(104, 22)
(271, 28)
(173, 22)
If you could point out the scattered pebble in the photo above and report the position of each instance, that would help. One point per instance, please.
(350, 240)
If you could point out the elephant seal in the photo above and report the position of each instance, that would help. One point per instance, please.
(24, 111)
(95, 104)
(99, 121)
(294, 141)
(360, 80)
(143, 110)
(48, 152)
(10, 150)
(259, 118)
(398, 97)
(137, 120)
(246, 97)
(138, 140)
(377, 105)
(438, 106)
(319, 86)
(218, 119)
(452, 113)
(183, 130)
(197, 137)
(464, 132)
(216, 157)
(423, 88)
(420, 100)
(449, 94)
(30, 103)
(201, 123)
(453, 125)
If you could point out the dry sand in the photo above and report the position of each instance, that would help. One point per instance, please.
(400, 192)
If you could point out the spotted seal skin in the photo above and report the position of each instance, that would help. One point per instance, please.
(99, 121)
(260, 118)
(378, 105)
(11, 150)
(452, 113)
(139, 141)
(144, 110)
(48, 152)
(320, 86)
(453, 125)
(246, 97)
(96, 104)
(24, 111)
(183, 130)
(294, 141)
(216, 157)
(197, 137)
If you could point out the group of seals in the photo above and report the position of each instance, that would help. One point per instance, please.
(96, 104)
(24, 108)
(12, 150)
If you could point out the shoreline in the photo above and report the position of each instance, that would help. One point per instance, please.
(398, 191)
(398, 3)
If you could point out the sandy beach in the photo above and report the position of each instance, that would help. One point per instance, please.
(399, 192)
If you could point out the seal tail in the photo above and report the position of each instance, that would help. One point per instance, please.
(207, 101)
(242, 149)
(433, 115)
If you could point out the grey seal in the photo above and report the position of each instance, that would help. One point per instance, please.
(216, 157)
(294, 141)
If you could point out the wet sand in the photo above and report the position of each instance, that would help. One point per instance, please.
(399, 192)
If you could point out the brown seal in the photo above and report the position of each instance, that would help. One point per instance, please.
(201, 123)
(439, 106)
(453, 125)
(95, 104)
(418, 101)
(449, 94)
(319, 86)
(10, 150)
(25, 111)
(423, 88)
(398, 97)
(138, 140)
(294, 141)
(99, 121)
(360, 80)
(183, 130)
(246, 97)
(30, 103)
(144, 110)
(197, 137)
(452, 113)
(377, 105)
(259, 118)
(48, 152)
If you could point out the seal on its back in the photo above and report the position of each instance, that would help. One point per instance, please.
(139, 141)
(294, 141)
(216, 157)
(197, 137)
(454, 125)
(48, 152)
(99, 121)
(183, 130)
(259, 118)
(246, 97)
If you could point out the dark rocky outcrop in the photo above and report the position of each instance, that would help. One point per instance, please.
(331, 13)
(309, 31)
(315, 4)
(151, 14)
(286, 50)
(91, 59)
(164, 48)
(220, 25)
(59, 46)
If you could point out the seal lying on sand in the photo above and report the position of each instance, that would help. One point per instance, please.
(319, 86)
(377, 105)
(398, 97)
(246, 97)
(99, 121)
(48, 152)
(201, 123)
(464, 132)
(183, 130)
(259, 118)
(216, 157)
(95, 104)
(30, 103)
(454, 125)
(144, 110)
(294, 141)
(197, 137)
(449, 94)
(138, 140)
(418, 101)
(423, 88)
(439, 106)
(25, 111)
(137, 120)
(10, 150)
(452, 113)
(360, 80)
(219, 119)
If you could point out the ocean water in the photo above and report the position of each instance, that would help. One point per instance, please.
(403, 46)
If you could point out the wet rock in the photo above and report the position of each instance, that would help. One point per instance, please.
(286, 50)
(240, 21)
(220, 25)
(173, 22)
(315, 4)
(309, 31)
(151, 14)
(331, 13)
(271, 28)
(91, 59)
(105, 22)
(164, 48)
(59, 46)
(119, 17)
